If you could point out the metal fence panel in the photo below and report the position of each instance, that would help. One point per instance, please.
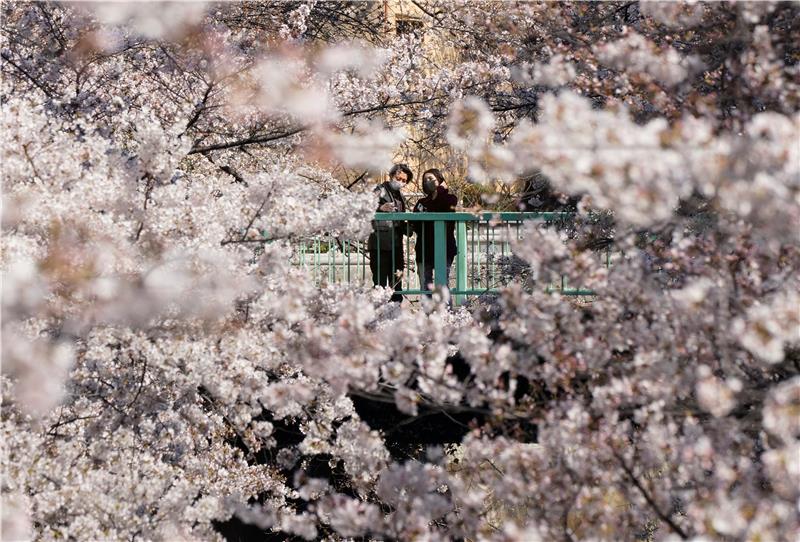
(484, 259)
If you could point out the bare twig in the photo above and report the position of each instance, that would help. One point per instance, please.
(30, 161)
(49, 93)
(141, 385)
(227, 169)
(357, 180)
(253, 219)
(249, 141)
(649, 499)
(199, 109)
(150, 184)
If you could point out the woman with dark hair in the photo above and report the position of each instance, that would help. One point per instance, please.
(437, 176)
(437, 200)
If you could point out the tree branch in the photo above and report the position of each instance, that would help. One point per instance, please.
(649, 498)
(248, 141)
(199, 110)
(254, 140)
(358, 179)
(149, 184)
(47, 92)
(227, 169)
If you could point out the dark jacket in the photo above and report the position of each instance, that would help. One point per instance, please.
(388, 233)
(445, 202)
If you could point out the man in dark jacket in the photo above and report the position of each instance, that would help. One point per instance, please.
(385, 244)
(437, 200)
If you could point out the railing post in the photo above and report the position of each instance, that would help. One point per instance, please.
(440, 253)
(461, 260)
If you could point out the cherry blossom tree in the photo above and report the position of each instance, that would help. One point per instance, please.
(169, 374)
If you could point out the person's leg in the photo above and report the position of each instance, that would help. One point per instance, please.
(385, 271)
(373, 267)
(447, 269)
(447, 274)
(397, 297)
(421, 275)
(427, 278)
(397, 273)
(380, 263)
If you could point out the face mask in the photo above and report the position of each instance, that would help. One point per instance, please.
(429, 186)
(395, 184)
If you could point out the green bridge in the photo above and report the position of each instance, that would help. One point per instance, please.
(484, 262)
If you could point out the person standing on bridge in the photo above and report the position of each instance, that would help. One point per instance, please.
(437, 200)
(385, 243)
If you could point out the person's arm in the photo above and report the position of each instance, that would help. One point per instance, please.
(416, 224)
(403, 225)
(451, 201)
(384, 205)
(403, 207)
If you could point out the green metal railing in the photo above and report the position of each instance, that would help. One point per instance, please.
(484, 261)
